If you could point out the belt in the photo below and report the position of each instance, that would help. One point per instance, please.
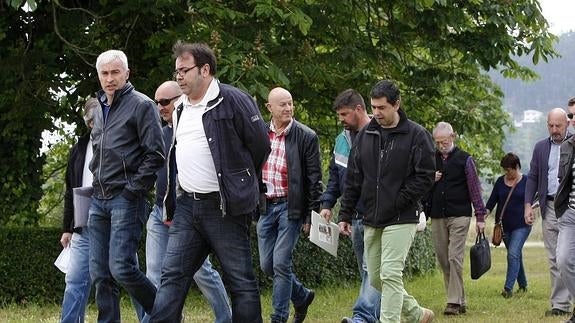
(550, 198)
(276, 200)
(203, 196)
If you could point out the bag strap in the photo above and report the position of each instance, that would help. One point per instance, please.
(507, 200)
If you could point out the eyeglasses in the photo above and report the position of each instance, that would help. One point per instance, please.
(164, 102)
(570, 116)
(182, 71)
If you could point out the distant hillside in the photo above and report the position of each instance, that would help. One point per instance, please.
(555, 86)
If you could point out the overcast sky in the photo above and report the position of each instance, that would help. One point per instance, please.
(559, 14)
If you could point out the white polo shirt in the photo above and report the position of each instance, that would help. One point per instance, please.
(196, 169)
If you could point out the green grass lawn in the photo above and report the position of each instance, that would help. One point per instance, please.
(484, 301)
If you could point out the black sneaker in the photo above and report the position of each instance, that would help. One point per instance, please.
(556, 312)
(301, 311)
(506, 293)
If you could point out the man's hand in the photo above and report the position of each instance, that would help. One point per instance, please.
(528, 214)
(65, 239)
(480, 227)
(438, 176)
(326, 214)
(305, 228)
(344, 228)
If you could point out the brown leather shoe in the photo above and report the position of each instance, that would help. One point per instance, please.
(452, 309)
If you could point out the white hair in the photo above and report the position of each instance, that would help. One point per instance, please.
(443, 127)
(109, 56)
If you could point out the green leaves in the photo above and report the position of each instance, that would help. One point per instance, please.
(436, 50)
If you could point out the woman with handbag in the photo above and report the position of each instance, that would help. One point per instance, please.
(508, 194)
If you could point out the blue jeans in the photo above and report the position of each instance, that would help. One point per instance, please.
(199, 228)
(368, 303)
(77, 279)
(277, 238)
(115, 229)
(207, 278)
(514, 241)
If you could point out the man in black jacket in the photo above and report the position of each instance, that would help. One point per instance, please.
(390, 168)
(218, 149)
(128, 151)
(292, 175)
(76, 237)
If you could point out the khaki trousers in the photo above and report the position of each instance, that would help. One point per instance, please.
(449, 236)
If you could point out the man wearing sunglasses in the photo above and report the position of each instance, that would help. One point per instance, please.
(207, 278)
(219, 146)
(571, 110)
(542, 183)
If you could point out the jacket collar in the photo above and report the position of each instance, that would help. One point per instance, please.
(101, 95)
(402, 125)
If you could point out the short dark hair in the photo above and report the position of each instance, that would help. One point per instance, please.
(348, 98)
(510, 160)
(201, 52)
(571, 102)
(386, 89)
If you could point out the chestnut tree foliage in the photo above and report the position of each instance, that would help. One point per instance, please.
(436, 50)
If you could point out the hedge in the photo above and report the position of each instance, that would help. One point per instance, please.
(28, 274)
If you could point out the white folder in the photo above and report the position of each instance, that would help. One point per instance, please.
(324, 234)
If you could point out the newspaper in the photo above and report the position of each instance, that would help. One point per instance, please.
(324, 235)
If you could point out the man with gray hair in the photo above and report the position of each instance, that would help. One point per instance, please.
(456, 188)
(128, 151)
(541, 187)
(74, 235)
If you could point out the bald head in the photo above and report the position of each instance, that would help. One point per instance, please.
(280, 105)
(165, 96)
(170, 87)
(557, 123)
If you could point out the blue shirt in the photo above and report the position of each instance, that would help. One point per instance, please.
(514, 212)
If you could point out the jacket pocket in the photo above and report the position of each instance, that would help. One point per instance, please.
(241, 189)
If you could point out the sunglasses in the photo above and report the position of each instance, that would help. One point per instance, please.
(164, 102)
(570, 116)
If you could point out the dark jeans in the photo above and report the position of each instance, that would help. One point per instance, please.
(199, 228)
(115, 228)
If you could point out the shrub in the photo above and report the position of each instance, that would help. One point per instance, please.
(28, 274)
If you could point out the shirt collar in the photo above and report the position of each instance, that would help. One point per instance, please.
(212, 93)
(285, 131)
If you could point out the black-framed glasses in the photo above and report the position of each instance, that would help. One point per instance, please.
(164, 102)
(183, 70)
(570, 116)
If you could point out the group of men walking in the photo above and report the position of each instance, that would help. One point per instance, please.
(217, 166)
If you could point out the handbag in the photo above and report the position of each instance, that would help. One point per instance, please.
(480, 256)
(497, 236)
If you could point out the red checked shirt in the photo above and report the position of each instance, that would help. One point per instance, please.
(274, 173)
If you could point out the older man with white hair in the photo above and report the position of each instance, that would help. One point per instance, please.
(128, 151)
(455, 190)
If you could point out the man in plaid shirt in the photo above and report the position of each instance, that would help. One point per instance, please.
(292, 175)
